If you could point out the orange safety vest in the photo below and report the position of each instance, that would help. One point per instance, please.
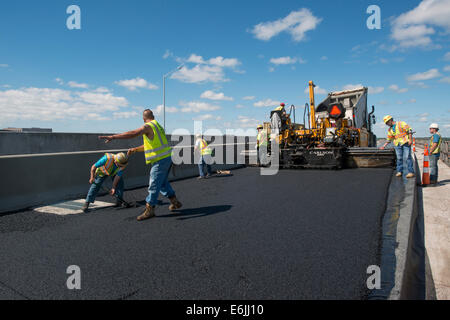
(401, 133)
(107, 168)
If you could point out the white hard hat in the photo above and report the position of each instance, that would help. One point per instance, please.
(434, 126)
(198, 135)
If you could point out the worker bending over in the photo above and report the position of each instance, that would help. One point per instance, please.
(205, 159)
(158, 154)
(400, 134)
(110, 165)
(435, 152)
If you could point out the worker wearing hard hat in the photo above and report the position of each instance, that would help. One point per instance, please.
(278, 120)
(261, 145)
(110, 165)
(435, 152)
(204, 158)
(158, 153)
(400, 134)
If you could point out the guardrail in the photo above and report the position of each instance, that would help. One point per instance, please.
(37, 179)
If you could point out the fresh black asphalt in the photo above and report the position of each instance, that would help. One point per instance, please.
(301, 234)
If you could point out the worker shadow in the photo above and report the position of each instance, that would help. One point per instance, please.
(443, 182)
(191, 213)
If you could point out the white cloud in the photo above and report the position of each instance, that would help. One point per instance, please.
(323, 58)
(239, 106)
(447, 68)
(415, 27)
(211, 95)
(196, 106)
(317, 90)
(3, 65)
(200, 74)
(249, 98)
(375, 90)
(211, 70)
(125, 115)
(74, 84)
(59, 81)
(137, 83)
(397, 89)
(246, 122)
(266, 103)
(158, 110)
(427, 75)
(352, 86)
(296, 23)
(447, 56)
(167, 54)
(206, 117)
(445, 80)
(47, 104)
(283, 60)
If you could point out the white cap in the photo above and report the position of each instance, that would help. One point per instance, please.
(434, 126)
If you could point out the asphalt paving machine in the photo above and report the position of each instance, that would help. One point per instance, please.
(338, 133)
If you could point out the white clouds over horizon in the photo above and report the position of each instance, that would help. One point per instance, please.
(427, 75)
(211, 95)
(136, 83)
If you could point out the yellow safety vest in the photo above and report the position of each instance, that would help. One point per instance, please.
(401, 134)
(438, 149)
(205, 149)
(108, 168)
(262, 138)
(158, 148)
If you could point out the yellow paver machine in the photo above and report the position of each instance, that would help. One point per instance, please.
(338, 133)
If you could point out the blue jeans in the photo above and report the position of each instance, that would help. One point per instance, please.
(204, 160)
(96, 186)
(159, 181)
(403, 152)
(434, 167)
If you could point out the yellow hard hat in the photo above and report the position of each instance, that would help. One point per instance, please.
(121, 159)
(259, 127)
(279, 108)
(387, 118)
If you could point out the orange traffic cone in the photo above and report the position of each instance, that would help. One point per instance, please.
(426, 167)
(414, 144)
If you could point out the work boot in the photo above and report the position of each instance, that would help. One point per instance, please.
(148, 213)
(174, 204)
(399, 174)
(410, 175)
(85, 207)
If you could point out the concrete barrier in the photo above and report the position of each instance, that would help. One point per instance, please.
(402, 255)
(38, 179)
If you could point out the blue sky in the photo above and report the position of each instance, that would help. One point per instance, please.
(240, 59)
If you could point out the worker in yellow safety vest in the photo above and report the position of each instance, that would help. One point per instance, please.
(157, 153)
(205, 159)
(261, 145)
(110, 165)
(400, 134)
(435, 152)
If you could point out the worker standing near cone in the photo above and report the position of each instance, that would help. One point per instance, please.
(205, 156)
(261, 145)
(435, 152)
(400, 134)
(110, 165)
(158, 154)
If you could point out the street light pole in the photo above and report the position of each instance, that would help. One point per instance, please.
(164, 91)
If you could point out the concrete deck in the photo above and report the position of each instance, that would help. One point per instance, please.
(436, 204)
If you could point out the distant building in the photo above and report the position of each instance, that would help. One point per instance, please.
(28, 130)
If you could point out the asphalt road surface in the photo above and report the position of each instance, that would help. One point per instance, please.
(298, 235)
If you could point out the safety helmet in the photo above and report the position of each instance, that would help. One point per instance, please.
(259, 127)
(198, 135)
(282, 104)
(279, 108)
(387, 118)
(434, 126)
(121, 159)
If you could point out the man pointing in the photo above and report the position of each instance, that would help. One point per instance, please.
(158, 154)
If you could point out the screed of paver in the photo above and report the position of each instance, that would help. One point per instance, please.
(436, 204)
